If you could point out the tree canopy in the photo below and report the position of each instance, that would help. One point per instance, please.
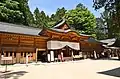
(81, 19)
(10, 11)
(57, 16)
(24, 8)
(112, 14)
(17, 11)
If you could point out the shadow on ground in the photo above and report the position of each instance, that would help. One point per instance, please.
(113, 72)
(107, 59)
(14, 75)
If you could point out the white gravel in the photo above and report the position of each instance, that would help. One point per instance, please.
(82, 69)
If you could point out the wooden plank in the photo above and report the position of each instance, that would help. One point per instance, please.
(6, 58)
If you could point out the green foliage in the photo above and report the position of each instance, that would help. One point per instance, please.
(24, 8)
(16, 11)
(41, 20)
(81, 19)
(111, 14)
(80, 6)
(37, 18)
(101, 29)
(57, 16)
(10, 12)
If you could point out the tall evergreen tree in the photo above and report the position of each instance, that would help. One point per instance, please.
(101, 30)
(113, 10)
(52, 21)
(37, 18)
(57, 16)
(10, 11)
(24, 8)
(80, 5)
(44, 19)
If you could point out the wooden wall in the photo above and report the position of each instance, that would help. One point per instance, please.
(20, 45)
(17, 40)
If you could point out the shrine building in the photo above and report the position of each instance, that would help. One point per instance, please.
(45, 44)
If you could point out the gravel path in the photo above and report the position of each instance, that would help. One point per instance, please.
(83, 69)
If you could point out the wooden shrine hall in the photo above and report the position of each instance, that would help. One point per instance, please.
(47, 44)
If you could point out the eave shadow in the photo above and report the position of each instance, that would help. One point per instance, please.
(113, 72)
(15, 75)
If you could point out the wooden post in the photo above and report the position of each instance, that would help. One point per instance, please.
(12, 57)
(52, 56)
(36, 54)
(118, 54)
(27, 60)
(0, 57)
(6, 66)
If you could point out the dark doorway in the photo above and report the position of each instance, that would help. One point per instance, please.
(42, 56)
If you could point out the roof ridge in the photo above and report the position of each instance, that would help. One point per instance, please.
(59, 23)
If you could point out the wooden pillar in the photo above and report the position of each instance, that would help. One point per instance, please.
(8, 54)
(95, 54)
(48, 57)
(30, 57)
(87, 54)
(13, 57)
(118, 54)
(26, 56)
(13, 54)
(4, 53)
(18, 57)
(52, 55)
(22, 59)
(36, 54)
(0, 57)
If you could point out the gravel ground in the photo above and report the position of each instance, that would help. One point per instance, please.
(82, 69)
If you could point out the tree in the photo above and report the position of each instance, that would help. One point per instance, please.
(101, 29)
(57, 16)
(52, 21)
(80, 6)
(10, 12)
(28, 16)
(41, 20)
(113, 10)
(81, 19)
(44, 19)
(16, 11)
(37, 18)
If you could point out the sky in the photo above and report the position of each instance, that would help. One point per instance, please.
(50, 6)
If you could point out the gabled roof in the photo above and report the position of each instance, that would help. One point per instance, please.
(14, 28)
(111, 43)
(60, 30)
(108, 41)
(116, 43)
(60, 24)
